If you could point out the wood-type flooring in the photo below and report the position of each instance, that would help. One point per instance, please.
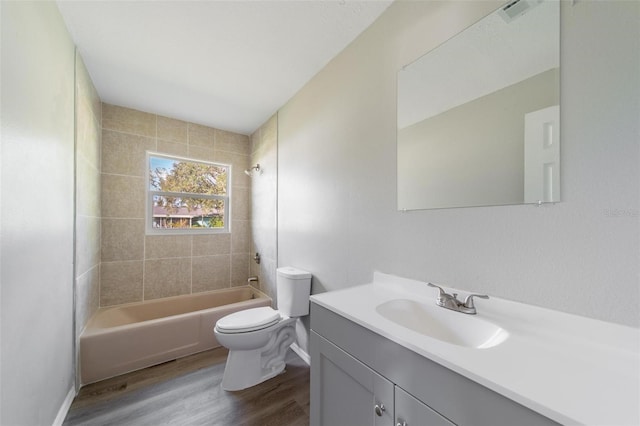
(187, 392)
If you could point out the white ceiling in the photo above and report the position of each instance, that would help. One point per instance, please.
(226, 64)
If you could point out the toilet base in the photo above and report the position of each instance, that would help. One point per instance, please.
(246, 368)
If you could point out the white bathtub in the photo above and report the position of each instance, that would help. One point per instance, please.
(125, 338)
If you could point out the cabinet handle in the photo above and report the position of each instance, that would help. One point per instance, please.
(379, 409)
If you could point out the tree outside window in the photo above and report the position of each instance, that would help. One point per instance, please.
(187, 195)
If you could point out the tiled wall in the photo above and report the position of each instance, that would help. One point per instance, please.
(264, 204)
(87, 222)
(138, 267)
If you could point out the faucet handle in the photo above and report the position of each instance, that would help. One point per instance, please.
(444, 296)
(440, 289)
(468, 301)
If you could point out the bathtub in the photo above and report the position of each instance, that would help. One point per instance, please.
(128, 337)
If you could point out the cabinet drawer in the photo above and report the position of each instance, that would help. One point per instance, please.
(412, 412)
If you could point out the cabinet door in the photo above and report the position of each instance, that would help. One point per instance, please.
(344, 391)
(412, 412)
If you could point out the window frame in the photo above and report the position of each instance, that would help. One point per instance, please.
(150, 193)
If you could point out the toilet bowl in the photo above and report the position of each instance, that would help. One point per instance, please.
(258, 338)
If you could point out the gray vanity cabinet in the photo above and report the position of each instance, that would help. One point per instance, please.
(412, 412)
(344, 391)
(347, 392)
(355, 371)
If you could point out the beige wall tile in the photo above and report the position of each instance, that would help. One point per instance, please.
(122, 239)
(264, 205)
(172, 148)
(123, 196)
(254, 141)
(268, 277)
(125, 154)
(169, 268)
(172, 130)
(164, 246)
(241, 203)
(128, 120)
(231, 142)
(87, 243)
(211, 244)
(264, 240)
(88, 132)
(270, 129)
(202, 153)
(266, 137)
(239, 163)
(87, 188)
(239, 269)
(86, 89)
(88, 135)
(211, 273)
(254, 271)
(120, 282)
(240, 236)
(167, 277)
(87, 297)
(201, 136)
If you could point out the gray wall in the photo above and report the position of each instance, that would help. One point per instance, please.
(337, 213)
(37, 213)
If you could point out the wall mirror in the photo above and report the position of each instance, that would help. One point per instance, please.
(478, 116)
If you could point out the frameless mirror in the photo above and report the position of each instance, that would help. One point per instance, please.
(478, 117)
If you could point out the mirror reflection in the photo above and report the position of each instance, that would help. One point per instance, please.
(478, 117)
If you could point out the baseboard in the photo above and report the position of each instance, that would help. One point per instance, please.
(302, 354)
(64, 408)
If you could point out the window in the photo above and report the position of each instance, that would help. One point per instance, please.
(186, 195)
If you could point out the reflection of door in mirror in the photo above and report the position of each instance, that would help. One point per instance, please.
(542, 155)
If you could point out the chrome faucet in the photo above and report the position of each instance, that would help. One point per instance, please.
(450, 301)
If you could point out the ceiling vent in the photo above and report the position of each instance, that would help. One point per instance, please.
(517, 8)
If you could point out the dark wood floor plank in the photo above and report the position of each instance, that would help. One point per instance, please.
(188, 392)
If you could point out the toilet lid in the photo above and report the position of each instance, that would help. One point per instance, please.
(248, 320)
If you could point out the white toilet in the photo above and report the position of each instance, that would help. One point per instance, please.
(258, 338)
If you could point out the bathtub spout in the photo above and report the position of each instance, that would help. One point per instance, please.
(252, 280)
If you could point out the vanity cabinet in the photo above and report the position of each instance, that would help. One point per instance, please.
(355, 372)
(412, 412)
(347, 392)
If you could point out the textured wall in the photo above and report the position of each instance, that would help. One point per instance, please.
(138, 267)
(264, 203)
(337, 213)
(36, 264)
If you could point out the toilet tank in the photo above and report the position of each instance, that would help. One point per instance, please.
(294, 288)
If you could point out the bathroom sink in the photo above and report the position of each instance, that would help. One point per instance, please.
(443, 324)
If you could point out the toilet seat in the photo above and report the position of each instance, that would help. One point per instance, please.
(248, 320)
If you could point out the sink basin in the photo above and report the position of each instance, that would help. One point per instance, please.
(443, 324)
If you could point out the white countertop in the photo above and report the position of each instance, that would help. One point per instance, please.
(572, 369)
